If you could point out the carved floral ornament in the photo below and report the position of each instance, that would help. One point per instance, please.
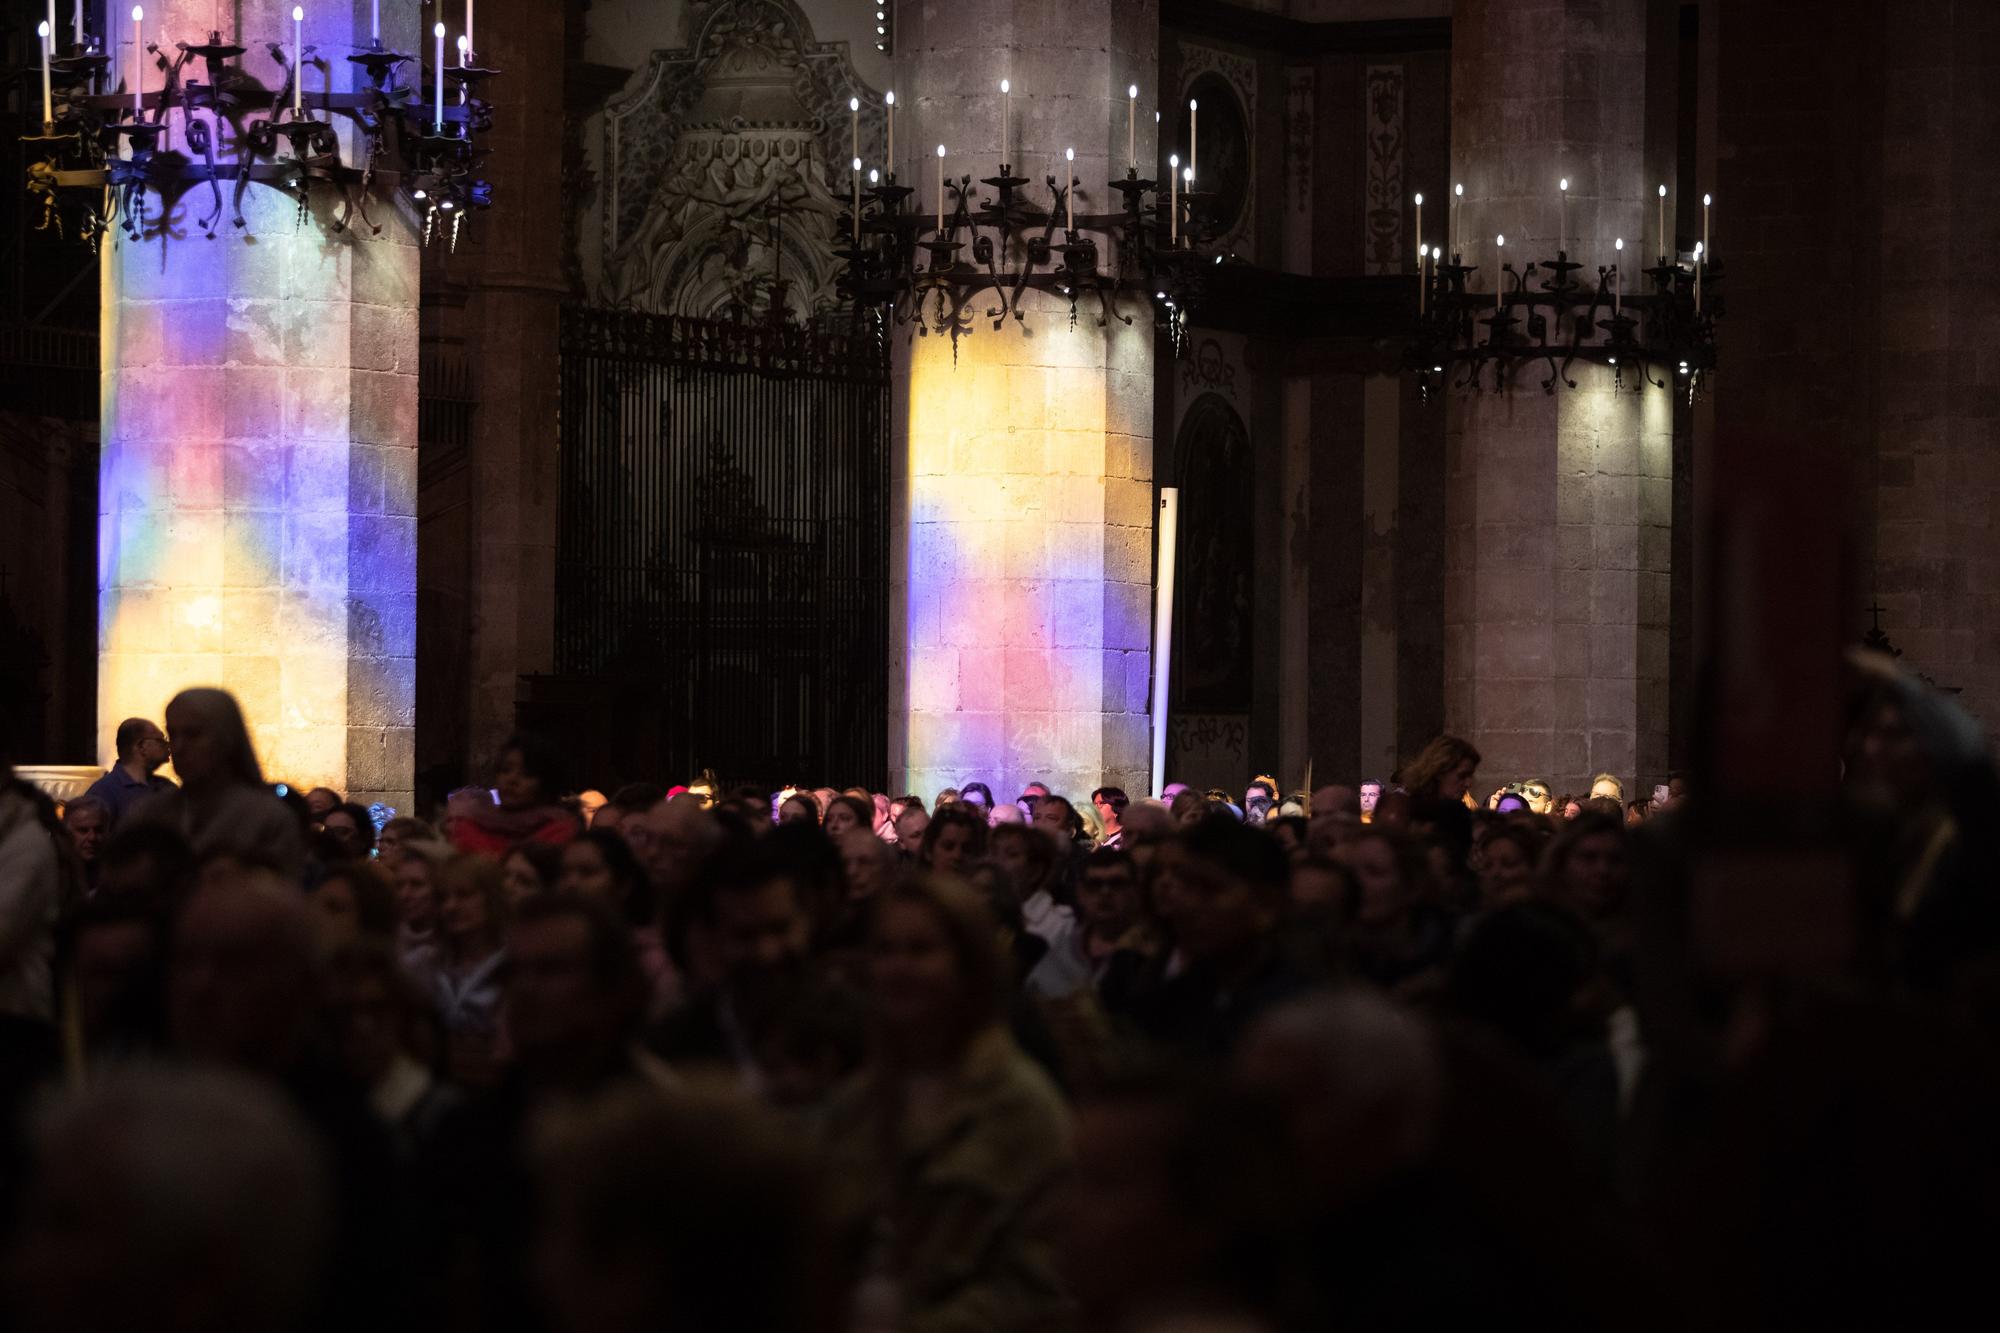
(717, 159)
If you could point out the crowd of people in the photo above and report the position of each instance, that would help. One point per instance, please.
(1380, 1056)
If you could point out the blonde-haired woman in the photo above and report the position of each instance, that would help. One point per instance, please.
(948, 1146)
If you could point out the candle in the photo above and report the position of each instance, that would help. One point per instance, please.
(1702, 260)
(854, 127)
(1069, 188)
(1699, 248)
(1562, 236)
(49, 37)
(940, 197)
(857, 201)
(437, 68)
(78, 28)
(1423, 253)
(1420, 232)
(1451, 220)
(1499, 269)
(1006, 114)
(890, 98)
(48, 97)
(1174, 199)
(1617, 275)
(298, 57)
(1664, 250)
(1194, 135)
(138, 62)
(464, 51)
(375, 21)
(1132, 126)
(465, 42)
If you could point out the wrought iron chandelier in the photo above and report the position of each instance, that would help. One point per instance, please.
(283, 139)
(1009, 242)
(1544, 312)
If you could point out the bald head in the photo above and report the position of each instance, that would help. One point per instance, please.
(870, 863)
(671, 840)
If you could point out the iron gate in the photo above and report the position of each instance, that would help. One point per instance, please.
(722, 550)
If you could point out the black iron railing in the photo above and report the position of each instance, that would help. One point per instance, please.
(722, 553)
(48, 372)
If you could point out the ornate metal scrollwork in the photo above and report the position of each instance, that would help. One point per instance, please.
(285, 139)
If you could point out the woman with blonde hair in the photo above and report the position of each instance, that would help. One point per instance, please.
(1438, 781)
(464, 985)
(949, 1145)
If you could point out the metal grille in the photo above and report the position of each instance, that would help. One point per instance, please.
(722, 558)
(48, 372)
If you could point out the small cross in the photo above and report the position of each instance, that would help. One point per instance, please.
(1876, 612)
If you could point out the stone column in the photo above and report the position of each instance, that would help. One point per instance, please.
(258, 499)
(1558, 508)
(1023, 499)
(512, 267)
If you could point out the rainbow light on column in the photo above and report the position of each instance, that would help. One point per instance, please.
(257, 488)
(1029, 565)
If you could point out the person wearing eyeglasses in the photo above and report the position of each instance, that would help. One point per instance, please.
(142, 751)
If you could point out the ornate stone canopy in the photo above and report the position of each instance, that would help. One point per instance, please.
(727, 160)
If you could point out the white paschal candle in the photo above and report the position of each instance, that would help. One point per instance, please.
(1132, 126)
(1451, 221)
(298, 57)
(1174, 198)
(78, 29)
(1194, 135)
(1069, 188)
(854, 127)
(1006, 114)
(1499, 268)
(889, 98)
(48, 96)
(1617, 275)
(1665, 250)
(857, 201)
(465, 42)
(375, 21)
(437, 69)
(138, 62)
(1562, 234)
(1420, 233)
(940, 191)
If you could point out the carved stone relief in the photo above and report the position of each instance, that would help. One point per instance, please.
(1385, 169)
(728, 165)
